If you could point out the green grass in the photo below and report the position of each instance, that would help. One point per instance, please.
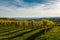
(25, 36)
(53, 34)
(28, 30)
(32, 34)
(7, 33)
(14, 34)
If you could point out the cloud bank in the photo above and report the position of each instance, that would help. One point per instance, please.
(31, 8)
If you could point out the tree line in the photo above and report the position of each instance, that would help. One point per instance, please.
(25, 24)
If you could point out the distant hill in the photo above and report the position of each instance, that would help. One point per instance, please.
(55, 19)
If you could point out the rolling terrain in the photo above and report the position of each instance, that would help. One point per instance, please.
(28, 30)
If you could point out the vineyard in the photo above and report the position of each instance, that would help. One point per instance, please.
(29, 30)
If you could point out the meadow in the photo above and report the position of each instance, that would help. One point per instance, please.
(11, 29)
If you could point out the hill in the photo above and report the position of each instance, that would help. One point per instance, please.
(13, 29)
(53, 34)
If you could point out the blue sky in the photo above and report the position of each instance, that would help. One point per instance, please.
(29, 8)
(19, 3)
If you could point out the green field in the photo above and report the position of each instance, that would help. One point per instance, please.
(32, 34)
(29, 30)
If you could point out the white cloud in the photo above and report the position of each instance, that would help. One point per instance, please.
(51, 9)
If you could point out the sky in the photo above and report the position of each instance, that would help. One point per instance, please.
(29, 8)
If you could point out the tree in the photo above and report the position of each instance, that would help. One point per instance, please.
(47, 24)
